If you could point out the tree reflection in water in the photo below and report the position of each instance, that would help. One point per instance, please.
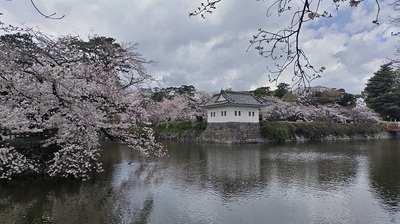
(100, 200)
(384, 171)
(132, 191)
(341, 182)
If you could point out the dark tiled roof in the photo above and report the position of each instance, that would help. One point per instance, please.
(225, 98)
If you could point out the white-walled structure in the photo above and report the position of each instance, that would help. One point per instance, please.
(230, 106)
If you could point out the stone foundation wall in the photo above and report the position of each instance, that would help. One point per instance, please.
(236, 133)
(232, 132)
(184, 136)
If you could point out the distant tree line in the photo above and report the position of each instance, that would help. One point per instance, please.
(310, 95)
(282, 104)
(170, 92)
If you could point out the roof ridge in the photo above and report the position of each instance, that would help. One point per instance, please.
(234, 98)
(225, 95)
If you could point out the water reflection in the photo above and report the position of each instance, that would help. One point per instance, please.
(40, 201)
(313, 166)
(236, 169)
(384, 171)
(131, 184)
(99, 200)
(341, 182)
(232, 171)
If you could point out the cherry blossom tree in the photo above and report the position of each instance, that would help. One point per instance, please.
(81, 88)
(279, 110)
(175, 108)
(202, 97)
(179, 107)
(361, 114)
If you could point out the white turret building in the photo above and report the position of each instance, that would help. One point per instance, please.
(230, 106)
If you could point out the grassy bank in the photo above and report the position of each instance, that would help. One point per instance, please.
(281, 131)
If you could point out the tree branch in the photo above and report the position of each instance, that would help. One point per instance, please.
(205, 8)
(280, 46)
(51, 16)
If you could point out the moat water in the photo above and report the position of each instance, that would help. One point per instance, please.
(328, 182)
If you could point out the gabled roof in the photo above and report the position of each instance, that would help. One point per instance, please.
(231, 98)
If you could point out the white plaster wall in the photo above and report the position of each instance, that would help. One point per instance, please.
(230, 115)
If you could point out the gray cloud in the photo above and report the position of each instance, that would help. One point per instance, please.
(211, 53)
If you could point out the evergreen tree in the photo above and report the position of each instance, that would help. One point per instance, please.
(282, 89)
(347, 99)
(383, 94)
(262, 92)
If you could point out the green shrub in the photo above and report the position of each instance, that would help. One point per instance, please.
(199, 125)
(276, 131)
(368, 129)
(310, 130)
(280, 131)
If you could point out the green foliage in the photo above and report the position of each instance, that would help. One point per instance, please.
(278, 131)
(325, 97)
(281, 131)
(185, 90)
(159, 94)
(180, 126)
(282, 89)
(169, 92)
(262, 92)
(379, 83)
(347, 99)
(382, 93)
(311, 130)
(18, 40)
(290, 97)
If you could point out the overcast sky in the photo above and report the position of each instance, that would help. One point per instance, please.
(211, 53)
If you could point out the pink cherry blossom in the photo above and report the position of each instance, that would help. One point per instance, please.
(82, 88)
